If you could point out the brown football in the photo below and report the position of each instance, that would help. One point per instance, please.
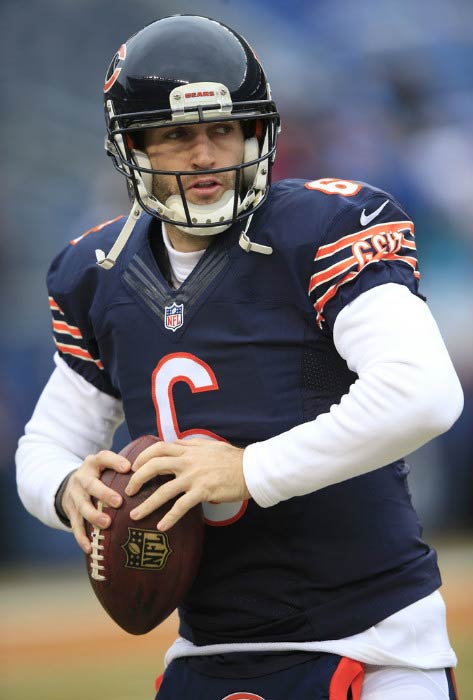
(139, 574)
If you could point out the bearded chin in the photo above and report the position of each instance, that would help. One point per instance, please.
(161, 190)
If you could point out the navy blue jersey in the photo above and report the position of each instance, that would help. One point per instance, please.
(243, 351)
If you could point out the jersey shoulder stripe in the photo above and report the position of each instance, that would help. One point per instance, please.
(68, 337)
(94, 229)
(54, 306)
(340, 261)
(63, 328)
(398, 229)
(331, 248)
(78, 352)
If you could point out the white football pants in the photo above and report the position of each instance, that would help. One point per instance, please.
(391, 683)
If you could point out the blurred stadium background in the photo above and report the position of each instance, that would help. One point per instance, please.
(376, 91)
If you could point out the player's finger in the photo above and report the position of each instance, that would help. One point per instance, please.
(106, 459)
(104, 494)
(185, 503)
(158, 449)
(155, 466)
(89, 512)
(165, 493)
(78, 529)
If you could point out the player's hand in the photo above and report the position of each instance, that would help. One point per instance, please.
(82, 485)
(206, 471)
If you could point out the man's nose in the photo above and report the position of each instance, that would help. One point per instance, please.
(202, 152)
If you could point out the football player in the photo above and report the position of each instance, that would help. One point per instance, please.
(276, 341)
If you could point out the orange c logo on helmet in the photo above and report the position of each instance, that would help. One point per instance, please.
(120, 56)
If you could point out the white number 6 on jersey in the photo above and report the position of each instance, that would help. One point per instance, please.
(184, 367)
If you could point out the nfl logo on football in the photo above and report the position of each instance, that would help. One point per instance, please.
(173, 316)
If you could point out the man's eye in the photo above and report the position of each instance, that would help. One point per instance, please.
(176, 134)
(224, 128)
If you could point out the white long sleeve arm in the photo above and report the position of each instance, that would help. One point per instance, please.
(72, 419)
(407, 393)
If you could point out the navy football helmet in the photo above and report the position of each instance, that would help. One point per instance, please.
(188, 69)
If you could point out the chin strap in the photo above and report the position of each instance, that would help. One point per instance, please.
(249, 246)
(107, 262)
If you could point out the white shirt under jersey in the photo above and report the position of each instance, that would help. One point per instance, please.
(406, 394)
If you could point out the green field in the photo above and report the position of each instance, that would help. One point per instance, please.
(58, 644)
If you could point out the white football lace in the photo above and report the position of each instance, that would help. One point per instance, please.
(95, 557)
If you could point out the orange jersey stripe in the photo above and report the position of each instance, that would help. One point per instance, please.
(391, 227)
(94, 229)
(330, 272)
(337, 268)
(62, 327)
(54, 306)
(333, 290)
(340, 267)
(78, 352)
(351, 275)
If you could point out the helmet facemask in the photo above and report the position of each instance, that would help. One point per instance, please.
(196, 105)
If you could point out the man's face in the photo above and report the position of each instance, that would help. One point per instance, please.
(195, 147)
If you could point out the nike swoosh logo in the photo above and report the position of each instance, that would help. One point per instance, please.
(365, 219)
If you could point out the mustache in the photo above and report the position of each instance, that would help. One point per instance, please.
(165, 186)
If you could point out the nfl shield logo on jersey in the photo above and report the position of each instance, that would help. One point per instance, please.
(173, 316)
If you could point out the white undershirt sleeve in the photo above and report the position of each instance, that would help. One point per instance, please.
(407, 392)
(72, 419)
